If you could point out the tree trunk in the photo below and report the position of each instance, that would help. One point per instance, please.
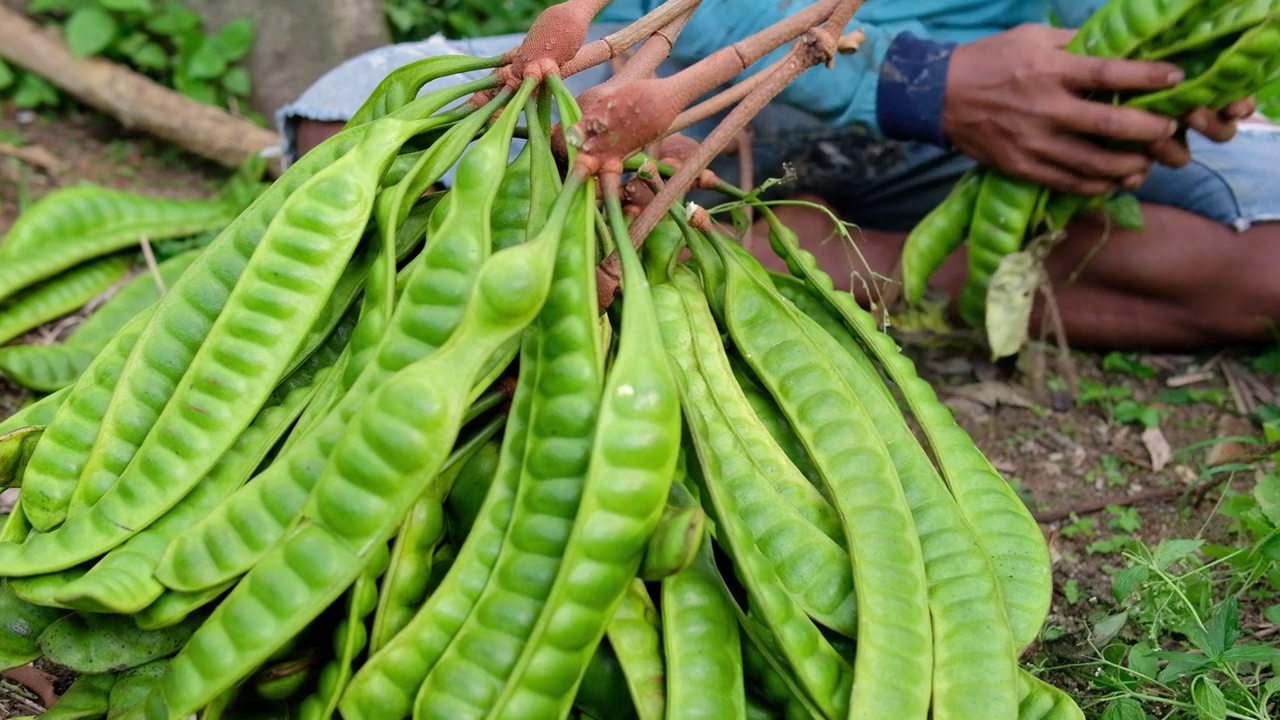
(298, 41)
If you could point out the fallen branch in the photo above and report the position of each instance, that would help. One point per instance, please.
(34, 156)
(133, 99)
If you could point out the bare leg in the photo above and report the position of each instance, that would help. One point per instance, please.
(1183, 282)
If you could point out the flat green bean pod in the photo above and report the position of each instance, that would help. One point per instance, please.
(393, 447)
(51, 476)
(245, 353)
(745, 491)
(632, 465)
(15, 452)
(1241, 71)
(702, 644)
(1005, 527)
(1203, 28)
(85, 222)
(472, 672)
(1042, 701)
(44, 368)
(1119, 28)
(38, 413)
(893, 632)
(1002, 214)
(189, 309)
(404, 83)
(122, 581)
(405, 585)
(634, 638)
(51, 299)
(227, 542)
(938, 234)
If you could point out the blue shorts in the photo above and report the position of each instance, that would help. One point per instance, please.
(874, 182)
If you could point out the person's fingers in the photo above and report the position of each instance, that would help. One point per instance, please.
(1133, 182)
(1241, 109)
(1112, 122)
(1211, 125)
(1093, 73)
(1062, 179)
(1172, 152)
(1090, 160)
(1058, 37)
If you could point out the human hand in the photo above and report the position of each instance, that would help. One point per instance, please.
(1015, 101)
(1218, 126)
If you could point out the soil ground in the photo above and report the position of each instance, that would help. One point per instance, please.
(1063, 452)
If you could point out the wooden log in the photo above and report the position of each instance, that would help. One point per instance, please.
(136, 101)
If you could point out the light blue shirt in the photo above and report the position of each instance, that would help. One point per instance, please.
(894, 83)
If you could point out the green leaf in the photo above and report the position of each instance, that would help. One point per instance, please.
(1123, 363)
(1272, 614)
(172, 19)
(1131, 411)
(1143, 661)
(7, 76)
(1210, 704)
(49, 6)
(127, 5)
(1251, 653)
(89, 31)
(1169, 552)
(205, 63)
(196, 89)
(1105, 630)
(1128, 580)
(235, 39)
(1126, 211)
(1267, 493)
(34, 92)
(1124, 708)
(1223, 629)
(150, 57)
(236, 82)
(1181, 664)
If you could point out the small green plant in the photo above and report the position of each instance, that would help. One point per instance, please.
(163, 40)
(1180, 641)
(1118, 362)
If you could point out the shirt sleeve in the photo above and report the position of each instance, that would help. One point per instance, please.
(894, 83)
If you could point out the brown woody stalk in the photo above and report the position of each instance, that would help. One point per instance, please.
(611, 46)
(817, 47)
(655, 50)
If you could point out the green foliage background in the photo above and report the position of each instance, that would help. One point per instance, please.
(162, 39)
(416, 19)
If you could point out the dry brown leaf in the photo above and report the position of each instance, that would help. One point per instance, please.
(1157, 447)
(35, 680)
(993, 394)
(1230, 451)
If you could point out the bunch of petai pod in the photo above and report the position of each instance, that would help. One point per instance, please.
(381, 451)
(1227, 49)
